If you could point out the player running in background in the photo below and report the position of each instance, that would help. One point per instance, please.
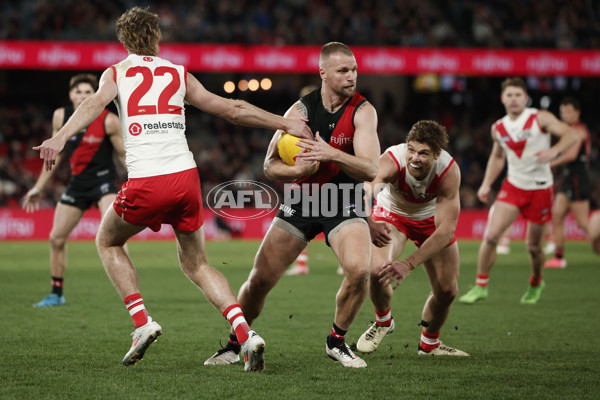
(522, 139)
(347, 148)
(93, 173)
(163, 185)
(574, 184)
(417, 198)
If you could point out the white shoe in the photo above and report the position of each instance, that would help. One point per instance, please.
(345, 356)
(502, 249)
(142, 339)
(253, 350)
(442, 350)
(549, 248)
(340, 271)
(370, 339)
(224, 356)
(297, 270)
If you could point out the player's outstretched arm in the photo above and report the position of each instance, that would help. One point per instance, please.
(87, 111)
(31, 200)
(386, 173)
(242, 113)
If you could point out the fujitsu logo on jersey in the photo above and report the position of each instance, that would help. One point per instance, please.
(341, 140)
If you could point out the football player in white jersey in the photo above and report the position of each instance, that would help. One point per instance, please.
(521, 138)
(417, 199)
(163, 185)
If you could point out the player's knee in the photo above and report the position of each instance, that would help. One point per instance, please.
(447, 293)
(533, 248)
(57, 242)
(357, 274)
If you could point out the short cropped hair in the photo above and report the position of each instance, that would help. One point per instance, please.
(517, 82)
(572, 101)
(139, 31)
(84, 78)
(430, 133)
(332, 48)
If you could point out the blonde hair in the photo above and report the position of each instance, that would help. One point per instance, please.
(139, 31)
(332, 48)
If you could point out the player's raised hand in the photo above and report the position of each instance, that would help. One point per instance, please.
(395, 271)
(49, 150)
(31, 201)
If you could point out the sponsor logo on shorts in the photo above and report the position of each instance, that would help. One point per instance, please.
(229, 199)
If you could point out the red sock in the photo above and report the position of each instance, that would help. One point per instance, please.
(384, 318)
(482, 280)
(559, 253)
(137, 310)
(535, 280)
(302, 260)
(235, 316)
(429, 341)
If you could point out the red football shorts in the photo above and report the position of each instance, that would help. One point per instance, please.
(417, 231)
(173, 199)
(535, 205)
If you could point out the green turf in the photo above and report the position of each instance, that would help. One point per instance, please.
(549, 350)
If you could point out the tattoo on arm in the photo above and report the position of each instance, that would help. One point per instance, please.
(300, 108)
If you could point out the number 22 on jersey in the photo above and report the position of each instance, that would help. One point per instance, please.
(162, 107)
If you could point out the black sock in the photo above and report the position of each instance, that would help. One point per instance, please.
(336, 337)
(57, 286)
(233, 344)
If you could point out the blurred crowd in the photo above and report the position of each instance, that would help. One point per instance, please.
(563, 24)
(466, 106)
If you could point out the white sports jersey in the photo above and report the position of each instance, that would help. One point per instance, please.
(409, 197)
(151, 109)
(521, 139)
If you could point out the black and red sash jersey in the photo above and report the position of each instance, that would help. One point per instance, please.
(337, 129)
(90, 153)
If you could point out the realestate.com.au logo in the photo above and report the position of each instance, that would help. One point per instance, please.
(226, 198)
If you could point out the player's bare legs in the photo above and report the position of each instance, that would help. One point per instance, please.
(533, 242)
(559, 212)
(192, 258)
(501, 216)
(380, 295)
(352, 246)
(112, 236)
(66, 218)
(353, 250)
(277, 252)
(443, 270)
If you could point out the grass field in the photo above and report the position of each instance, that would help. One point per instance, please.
(549, 350)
